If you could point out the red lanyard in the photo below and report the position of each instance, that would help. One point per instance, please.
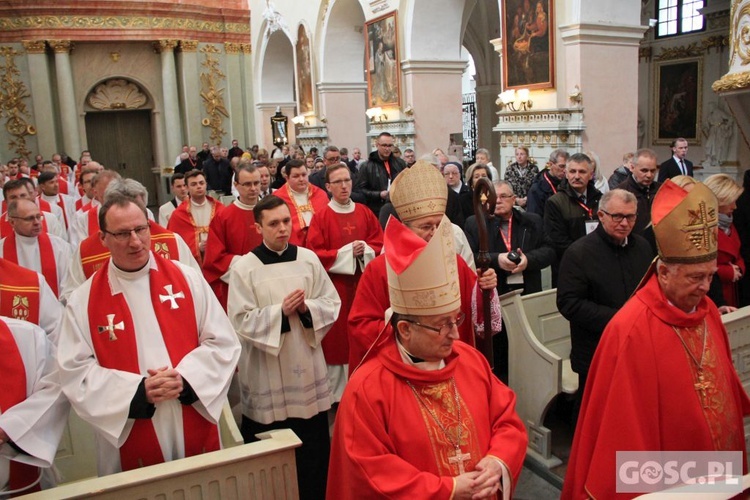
(554, 191)
(507, 240)
(587, 209)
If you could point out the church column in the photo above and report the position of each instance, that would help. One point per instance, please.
(190, 86)
(246, 74)
(343, 105)
(171, 103)
(433, 89)
(487, 119)
(41, 94)
(66, 97)
(234, 94)
(600, 50)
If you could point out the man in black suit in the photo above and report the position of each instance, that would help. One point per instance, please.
(677, 164)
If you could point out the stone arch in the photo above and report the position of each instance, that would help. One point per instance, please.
(117, 93)
(276, 82)
(85, 107)
(434, 29)
(342, 54)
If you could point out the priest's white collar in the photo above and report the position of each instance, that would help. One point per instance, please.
(243, 206)
(428, 366)
(27, 240)
(205, 201)
(341, 208)
(278, 252)
(116, 275)
(689, 312)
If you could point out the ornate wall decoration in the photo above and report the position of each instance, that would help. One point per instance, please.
(680, 52)
(121, 23)
(189, 45)
(12, 106)
(741, 34)
(212, 94)
(116, 94)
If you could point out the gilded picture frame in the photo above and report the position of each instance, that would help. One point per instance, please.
(678, 86)
(382, 62)
(528, 44)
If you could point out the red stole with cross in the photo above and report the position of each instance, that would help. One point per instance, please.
(6, 229)
(114, 341)
(19, 292)
(14, 392)
(46, 256)
(94, 255)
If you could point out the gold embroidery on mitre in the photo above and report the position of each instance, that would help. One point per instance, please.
(701, 227)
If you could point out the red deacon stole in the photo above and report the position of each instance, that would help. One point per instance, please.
(93, 215)
(19, 292)
(14, 391)
(93, 255)
(163, 242)
(113, 338)
(46, 256)
(6, 229)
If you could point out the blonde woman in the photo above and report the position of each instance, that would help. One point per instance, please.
(600, 182)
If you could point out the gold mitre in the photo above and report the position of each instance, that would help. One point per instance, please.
(419, 191)
(422, 276)
(685, 223)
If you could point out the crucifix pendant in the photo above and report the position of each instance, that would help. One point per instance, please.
(459, 459)
(702, 387)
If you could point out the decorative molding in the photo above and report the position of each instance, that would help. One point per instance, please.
(13, 92)
(341, 87)
(165, 45)
(34, 46)
(112, 23)
(231, 48)
(602, 34)
(403, 133)
(732, 81)
(433, 67)
(645, 53)
(116, 93)
(59, 46)
(189, 45)
(246, 48)
(212, 94)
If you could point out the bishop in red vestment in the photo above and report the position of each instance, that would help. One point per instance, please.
(232, 233)
(425, 418)
(302, 198)
(662, 377)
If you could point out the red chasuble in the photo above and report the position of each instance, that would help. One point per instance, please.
(116, 348)
(14, 392)
(386, 445)
(46, 257)
(329, 231)
(181, 222)
(367, 316)
(19, 292)
(641, 392)
(232, 232)
(317, 200)
(94, 254)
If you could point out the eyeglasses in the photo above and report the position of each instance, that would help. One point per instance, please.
(619, 217)
(443, 329)
(426, 228)
(335, 158)
(125, 235)
(506, 196)
(342, 181)
(30, 218)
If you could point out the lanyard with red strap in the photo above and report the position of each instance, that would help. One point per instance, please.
(508, 240)
(554, 189)
(587, 209)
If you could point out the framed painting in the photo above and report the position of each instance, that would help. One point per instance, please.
(528, 44)
(677, 100)
(304, 74)
(383, 67)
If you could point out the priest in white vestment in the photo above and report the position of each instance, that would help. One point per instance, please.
(33, 410)
(145, 351)
(282, 303)
(29, 247)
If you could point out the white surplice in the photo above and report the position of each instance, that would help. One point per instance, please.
(102, 396)
(281, 375)
(36, 424)
(27, 249)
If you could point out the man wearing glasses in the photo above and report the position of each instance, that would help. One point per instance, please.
(346, 237)
(146, 352)
(375, 176)
(598, 273)
(425, 417)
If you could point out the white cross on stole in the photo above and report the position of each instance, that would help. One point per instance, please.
(171, 297)
(111, 327)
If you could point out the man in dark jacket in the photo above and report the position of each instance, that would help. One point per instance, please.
(598, 273)
(642, 183)
(218, 172)
(571, 213)
(546, 182)
(375, 177)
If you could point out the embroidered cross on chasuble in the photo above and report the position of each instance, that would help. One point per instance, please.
(440, 400)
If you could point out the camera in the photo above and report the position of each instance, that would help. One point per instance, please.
(514, 257)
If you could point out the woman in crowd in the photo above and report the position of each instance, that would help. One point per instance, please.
(520, 175)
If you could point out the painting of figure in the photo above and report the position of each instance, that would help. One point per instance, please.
(528, 44)
(383, 70)
(304, 75)
(677, 94)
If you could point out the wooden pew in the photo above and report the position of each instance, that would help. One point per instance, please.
(265, 469)
(738, 329)
(538, 363)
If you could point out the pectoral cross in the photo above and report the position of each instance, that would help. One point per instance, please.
(111, 327)
(171, 297)
(702, 386)
(459, 458)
